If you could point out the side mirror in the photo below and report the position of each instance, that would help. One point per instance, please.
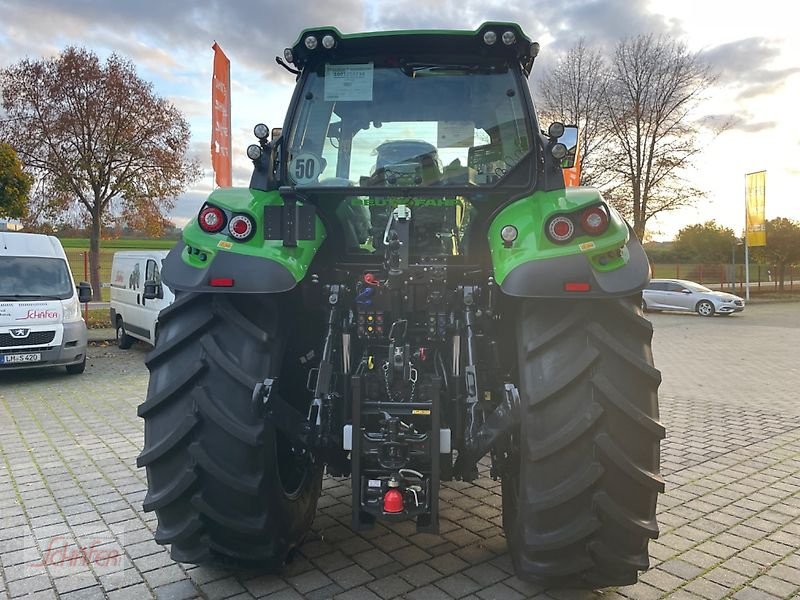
(570, 139)
(84, 292)
(152, 290)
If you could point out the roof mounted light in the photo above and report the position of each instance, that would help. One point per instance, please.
(556, 129)
(254, 152)
(310, 42)
(261, 131)
(489, 38)
(558, 151)
(288, 55)
(509, 38)
(328, 42)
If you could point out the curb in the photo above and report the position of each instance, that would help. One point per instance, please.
(106, 334)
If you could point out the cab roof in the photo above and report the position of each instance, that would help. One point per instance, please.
(447, 44)
(30, 244)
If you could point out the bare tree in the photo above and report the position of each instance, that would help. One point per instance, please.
(94, 135)
(574, 93)
(655, 83)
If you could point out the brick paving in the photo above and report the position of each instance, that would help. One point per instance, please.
(730, 518)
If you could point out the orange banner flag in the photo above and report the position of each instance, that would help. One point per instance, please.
(572, 175)
(221, 118)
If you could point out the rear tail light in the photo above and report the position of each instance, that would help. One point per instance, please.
(220, 282)
(560, 229)
(577, 286)
(594, 220)
(241, 227)
(211, 219)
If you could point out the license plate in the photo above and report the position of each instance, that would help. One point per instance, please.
(19, 358)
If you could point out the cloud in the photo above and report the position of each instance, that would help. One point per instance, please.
(156, 31)
(735, 122)
(186, 207)
(744, 63)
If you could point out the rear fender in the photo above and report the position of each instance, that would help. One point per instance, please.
(612, 264)
(257, 265)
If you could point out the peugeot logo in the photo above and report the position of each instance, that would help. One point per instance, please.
(20, 333)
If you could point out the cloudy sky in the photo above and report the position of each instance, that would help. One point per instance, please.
(752, 47)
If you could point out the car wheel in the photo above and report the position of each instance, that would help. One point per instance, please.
(124, 341)
(705, 308)
(644, 306)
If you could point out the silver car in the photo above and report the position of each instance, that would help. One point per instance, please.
(687, 296)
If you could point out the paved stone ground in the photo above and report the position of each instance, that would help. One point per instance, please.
(730, 518)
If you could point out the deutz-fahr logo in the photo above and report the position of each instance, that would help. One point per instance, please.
(410, 202)
(20, 333)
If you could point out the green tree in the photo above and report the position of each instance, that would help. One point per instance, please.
(706, 242)
(97, 138)
(783, 246)
(15, 184)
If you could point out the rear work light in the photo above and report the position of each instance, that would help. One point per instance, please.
(594, 220)
(577, 286)
(560, 229)
(211, 219)
(241, 227)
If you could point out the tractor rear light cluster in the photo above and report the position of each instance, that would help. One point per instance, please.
(241, 227)
(591, 221)
(211, 219)
(560, 229)
(594, 220)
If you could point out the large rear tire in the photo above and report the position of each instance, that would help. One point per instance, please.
(583, 483)
(226, 486)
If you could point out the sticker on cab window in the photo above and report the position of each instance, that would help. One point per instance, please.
(305, 168)
(348, 83)
(455, 134)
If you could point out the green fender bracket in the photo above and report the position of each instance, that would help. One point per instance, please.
(257, 265)
(611, 264)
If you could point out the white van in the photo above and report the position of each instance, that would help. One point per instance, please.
(40, 312)
(132, 314)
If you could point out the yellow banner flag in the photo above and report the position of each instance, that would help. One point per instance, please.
(754, 195)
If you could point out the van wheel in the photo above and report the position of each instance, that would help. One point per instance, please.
(78, 368)
(124, 341)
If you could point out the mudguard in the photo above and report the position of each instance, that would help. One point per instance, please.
(613, 264)
(258, 265)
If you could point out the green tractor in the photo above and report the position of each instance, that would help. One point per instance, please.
(404, 288)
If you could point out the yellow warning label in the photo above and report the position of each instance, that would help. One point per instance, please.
(420, 411)
(586, 246)
(225, 244)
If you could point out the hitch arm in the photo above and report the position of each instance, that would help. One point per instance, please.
(496, 425)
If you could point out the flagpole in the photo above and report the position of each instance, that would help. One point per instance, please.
(746, 244)
(747, 268)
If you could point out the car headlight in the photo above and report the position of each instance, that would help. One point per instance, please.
(72, 310)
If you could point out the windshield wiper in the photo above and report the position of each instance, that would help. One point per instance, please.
(28, 297)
